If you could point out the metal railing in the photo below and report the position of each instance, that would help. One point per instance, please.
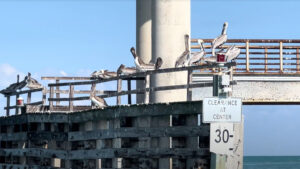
(280, 56)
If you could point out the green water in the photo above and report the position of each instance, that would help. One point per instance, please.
(272, 162)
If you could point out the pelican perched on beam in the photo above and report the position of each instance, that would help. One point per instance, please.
(232, 53)
(103, 74)
(14, 86)
(182, 60)
(126, 70)
(98, 101)
(32, 83)
(141, 66)
(220, 40)
(197, 56)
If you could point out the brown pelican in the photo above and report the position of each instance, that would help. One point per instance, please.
(103, 74)
(32, 83)
(141, 66)
(232, 53)
(126, 70)
(197, 57)
(220, 40)
(15, 86)
(210, 59)
(182, 60)
(98, 101)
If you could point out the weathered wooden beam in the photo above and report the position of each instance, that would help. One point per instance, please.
(125, 77)
(7, 105)
(34, 152)
(137, 91)
(21, 136)
(139, 153)
(179, 131)
(57, 94)
(51, 96)
(119, 89)
(71, 95)
(25, 92)
(129, 89)
(141, 110)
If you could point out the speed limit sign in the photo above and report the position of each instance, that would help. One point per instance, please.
(222, 138)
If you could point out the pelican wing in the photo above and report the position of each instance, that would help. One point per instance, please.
(182, 59)
(220, 40)
(196, 57)
(232, 53)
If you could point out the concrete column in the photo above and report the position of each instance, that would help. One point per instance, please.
(143, 37)
(170, 22)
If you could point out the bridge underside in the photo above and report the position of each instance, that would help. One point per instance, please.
(256, 89)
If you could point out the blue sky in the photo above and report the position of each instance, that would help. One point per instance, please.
(77, 37)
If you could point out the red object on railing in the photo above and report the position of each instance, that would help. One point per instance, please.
(220, 58)
(20, 101)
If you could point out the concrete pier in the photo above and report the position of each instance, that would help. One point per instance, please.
(170, 23)
(143, 37)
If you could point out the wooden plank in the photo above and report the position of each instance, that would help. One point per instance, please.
(17, 108)
(247, 56)
(21, 136)
(189, 82)
(147, 86)
(129, 89)
(71, 95)
(92, 92)
(139, 153)
(50, 97)
(130, 132)
(263, 58)
(25, 92)
(43, 135)
(65, 78)
(7, 105)
(125, 77)
(28, 98)
(57, 94)
(141, 110)
(44, 97)
(152, 89)
(266, 61)
(34, 152)
(298, 59)
(119, 89)
(281, 56)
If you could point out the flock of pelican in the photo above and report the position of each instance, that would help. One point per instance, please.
(185, 59)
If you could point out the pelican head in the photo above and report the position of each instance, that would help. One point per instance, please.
(121, 67)
(200, 41)
(132, 50)
(224, 31)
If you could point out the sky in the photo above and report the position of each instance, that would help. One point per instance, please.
(74, 38)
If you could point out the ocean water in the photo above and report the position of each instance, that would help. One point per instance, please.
(272, 162)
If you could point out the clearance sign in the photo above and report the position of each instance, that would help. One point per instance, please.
(222, 110)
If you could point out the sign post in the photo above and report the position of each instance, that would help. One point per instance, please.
(223, 113)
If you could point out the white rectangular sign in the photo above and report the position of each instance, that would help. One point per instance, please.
(222, 110)
(222, 138)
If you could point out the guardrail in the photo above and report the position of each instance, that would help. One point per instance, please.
(279, 56)
(118, 93)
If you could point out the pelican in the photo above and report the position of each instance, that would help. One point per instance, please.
(104, 74)
(11, 88)
(232, 53)
(220, 40)
(141, 66)
(98, 101)
(210, 59)
(197, 57)
(126, 70)
(32, 83)
(182, 60)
